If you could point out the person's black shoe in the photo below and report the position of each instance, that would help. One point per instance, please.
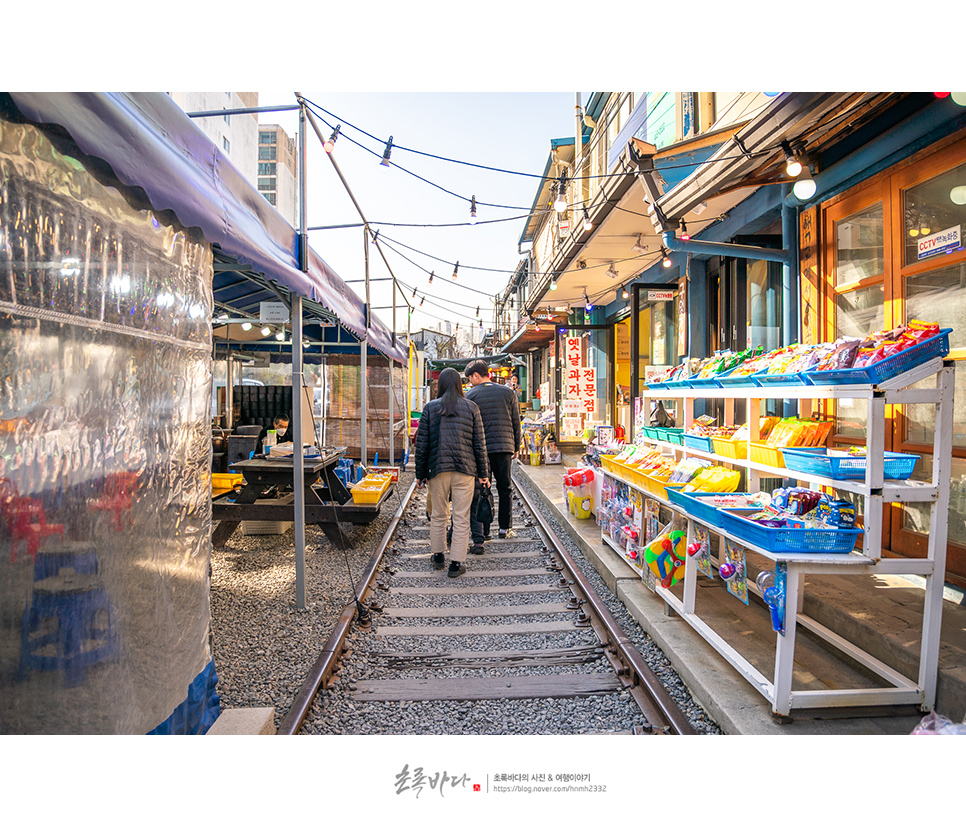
(477, 550)
(456, 569)
(438, 561)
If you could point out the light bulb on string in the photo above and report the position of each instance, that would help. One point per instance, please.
(560, 203)
(588, 225)
(386, 152)
(329, 143)
(666, 262)
(421, 300)
(266, 330)
(280, 336)
(624, 293)
(456, 268)
(431, 276)
(588, 306)
(684, 235)
(553, 284)
(473, 211)
(246, 325)
(805, 188)
(477, 312)
(793, 166)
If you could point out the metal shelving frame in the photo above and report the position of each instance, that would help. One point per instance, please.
(877, 491)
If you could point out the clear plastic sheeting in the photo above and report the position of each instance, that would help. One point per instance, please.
(105, 391)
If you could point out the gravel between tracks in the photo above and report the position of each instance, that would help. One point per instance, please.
(264, 647)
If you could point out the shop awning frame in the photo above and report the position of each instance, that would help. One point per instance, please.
(151, 145)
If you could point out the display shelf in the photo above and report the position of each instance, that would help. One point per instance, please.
(897, 689)
(620, 552)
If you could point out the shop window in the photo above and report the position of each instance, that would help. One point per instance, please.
(915, 517)
(860, 312)
(859, 246)
(940, 295)
(930, 208)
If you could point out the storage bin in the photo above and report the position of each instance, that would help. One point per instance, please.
(766, 455)
(699, 505)
(671, 435)
(224, 480)
(704, 382)
(908, 359)
(896, 466)
(655, 487)
(726, 447)
(786, 539)
(729, 380)
(703, 444)
(370, 489)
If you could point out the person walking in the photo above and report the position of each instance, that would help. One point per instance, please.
(500, 411)
(451, 457)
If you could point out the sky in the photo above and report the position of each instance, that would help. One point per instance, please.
(421, 205)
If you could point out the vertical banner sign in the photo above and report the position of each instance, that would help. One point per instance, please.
(573, 355)
(588, 389)
(682, 316)
(808, 264)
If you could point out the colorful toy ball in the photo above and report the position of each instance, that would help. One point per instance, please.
(665, 557)
(727, 570)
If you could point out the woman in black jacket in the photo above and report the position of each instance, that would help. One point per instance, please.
(451, 457)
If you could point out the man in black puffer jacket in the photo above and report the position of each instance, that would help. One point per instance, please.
(451, 458)
(500, 411)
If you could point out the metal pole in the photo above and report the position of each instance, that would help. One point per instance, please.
(392, 434)
(363, 404)
(297, 387)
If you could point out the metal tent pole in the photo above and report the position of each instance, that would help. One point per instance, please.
(297, 387)
(363, 395)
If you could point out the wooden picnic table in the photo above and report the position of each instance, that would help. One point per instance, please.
(327, 500)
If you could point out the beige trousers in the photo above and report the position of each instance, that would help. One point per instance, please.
(444, 488)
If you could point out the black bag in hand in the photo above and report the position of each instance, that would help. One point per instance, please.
(484, 510)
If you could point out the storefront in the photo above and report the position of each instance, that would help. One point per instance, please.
(890, 251)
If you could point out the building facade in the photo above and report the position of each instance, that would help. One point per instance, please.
(683, 233)
(277, 171)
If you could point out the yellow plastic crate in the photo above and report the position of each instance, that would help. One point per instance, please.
(607, 461)
(656, 487)
(737, 449)
(225, 480)
(767, 455)
(370, 489)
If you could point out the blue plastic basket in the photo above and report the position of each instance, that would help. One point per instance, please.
(886, 369)
(728, 380)
(691, 503)
(677, 383)
(896, 466)
(703, 444)
(656, 386)
(788, 540)
(765, 379)
(705, 382)
(670, 435)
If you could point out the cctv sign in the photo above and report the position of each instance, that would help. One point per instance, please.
(660, 295)
(942, 241)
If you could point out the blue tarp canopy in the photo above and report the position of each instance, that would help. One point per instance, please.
(151, 144)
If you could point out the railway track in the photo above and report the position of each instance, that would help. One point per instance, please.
(522, 629)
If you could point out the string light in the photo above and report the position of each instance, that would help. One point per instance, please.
(246, 325)
(422, 301)
(553, 284)
(280, 336)
(477, 312)
(431, 276)
(684, 231)
(456, 269)
(560, 204)
(473, 211)
(588, 225)
(386, 152)
(588, 306)
(667, 258)
(805, 188)
(624, 293)
(329, 143)
(793, 166)
(266, 330)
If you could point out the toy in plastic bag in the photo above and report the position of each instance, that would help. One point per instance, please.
(665, 556)
(935, 724)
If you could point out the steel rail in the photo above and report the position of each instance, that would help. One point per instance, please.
(331, 652)
(620, 642)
